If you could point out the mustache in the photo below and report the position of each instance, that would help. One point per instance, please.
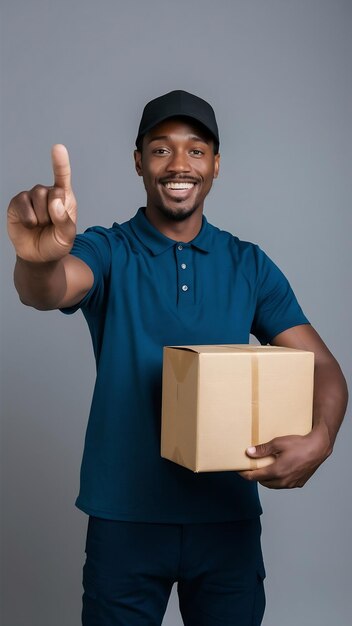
(178, 179)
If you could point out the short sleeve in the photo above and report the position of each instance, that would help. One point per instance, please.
(277, 307)
(92, 247)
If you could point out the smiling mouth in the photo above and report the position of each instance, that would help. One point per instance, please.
(175, 186)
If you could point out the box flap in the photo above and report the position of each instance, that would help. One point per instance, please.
(179, 364)
(222, 348)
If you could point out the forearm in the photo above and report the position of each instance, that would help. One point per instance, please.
(297, 457)
(40, 285)
(330, 398)
(330, 389)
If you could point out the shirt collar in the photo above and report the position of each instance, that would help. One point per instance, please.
(157, 243)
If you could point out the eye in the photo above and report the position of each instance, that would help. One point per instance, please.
(160, 151)
(197, 152)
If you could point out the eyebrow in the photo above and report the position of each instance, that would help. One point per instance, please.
(191, 137)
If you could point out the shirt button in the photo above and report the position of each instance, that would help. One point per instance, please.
(184, 288)
(183, 265)
(180, 247)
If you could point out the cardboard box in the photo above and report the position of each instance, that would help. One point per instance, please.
(220, 399)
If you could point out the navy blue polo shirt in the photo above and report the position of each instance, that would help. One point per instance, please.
(150, 291)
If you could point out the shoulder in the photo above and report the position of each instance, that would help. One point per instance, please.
(101, 234)
(226, 240)
(102, 238)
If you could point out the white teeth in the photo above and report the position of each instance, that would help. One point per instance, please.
(179, 185)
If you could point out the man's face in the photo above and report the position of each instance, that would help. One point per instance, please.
(178, 166)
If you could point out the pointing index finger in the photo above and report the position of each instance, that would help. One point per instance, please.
(61, 167)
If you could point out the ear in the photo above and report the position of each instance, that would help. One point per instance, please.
(216, 165)
(138, 162)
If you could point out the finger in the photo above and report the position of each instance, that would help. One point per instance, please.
(247, 474)
(21, 211)
(273, 484)
(253, 475)
(39, 199)
(61, 167)
(284, 483)
(265, 473)
(268, 448)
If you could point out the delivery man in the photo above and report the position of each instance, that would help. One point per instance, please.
(167, 277)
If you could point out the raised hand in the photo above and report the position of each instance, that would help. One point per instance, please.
(42, 221)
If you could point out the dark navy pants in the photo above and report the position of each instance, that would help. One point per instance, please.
(131, 567)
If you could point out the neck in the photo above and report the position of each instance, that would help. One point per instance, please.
(184, 230)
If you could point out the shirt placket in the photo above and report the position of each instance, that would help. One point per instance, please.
(185, 282)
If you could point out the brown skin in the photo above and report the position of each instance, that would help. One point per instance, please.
(297, 457)
(176, 150)
(42, 227)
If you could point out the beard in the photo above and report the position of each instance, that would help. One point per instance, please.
(176, 215)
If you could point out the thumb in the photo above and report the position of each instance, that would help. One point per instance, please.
(65, 228)
(263, 449)
(61, 167)
(56, 205)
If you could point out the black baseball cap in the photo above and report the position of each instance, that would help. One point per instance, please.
(175, 104)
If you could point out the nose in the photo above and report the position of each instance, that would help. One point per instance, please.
(178, 162)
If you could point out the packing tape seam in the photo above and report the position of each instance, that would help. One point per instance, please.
(255, 406)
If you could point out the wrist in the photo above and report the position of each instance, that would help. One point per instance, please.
(321, 439)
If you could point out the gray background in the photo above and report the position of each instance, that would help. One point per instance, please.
(79, 72)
